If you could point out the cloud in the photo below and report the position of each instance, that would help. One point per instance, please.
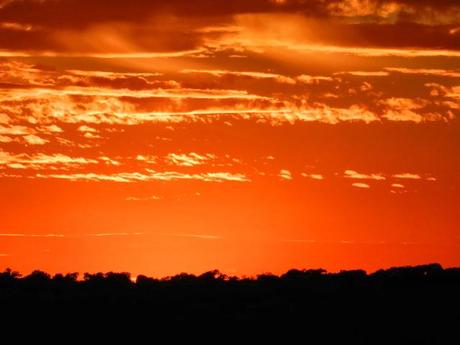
(87, 129)
(109, 161)
(188, 160)
(425, 71)
(364, 73)
(26, 235)
(409, 110)
(285, 174)
(114, 234)
(250, 74)
(32, 235)
(195, 236)
(313, 79)
(147, 198)
(39, 160)
(35, 140)
(351, 174)
(104, 30)
(150, 175)
(361, 185)
(146, 159)
(50, 129)
(14, 130)
(359, 176)
(408, 176)
(5, 139)
(131, 98)
(313, 176)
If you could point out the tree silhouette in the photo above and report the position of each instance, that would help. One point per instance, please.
(400, 305)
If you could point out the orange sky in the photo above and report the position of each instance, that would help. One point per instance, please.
(250, 136)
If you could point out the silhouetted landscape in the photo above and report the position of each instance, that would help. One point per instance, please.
(402, 305)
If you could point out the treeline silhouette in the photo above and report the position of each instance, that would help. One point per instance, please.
(402, 305)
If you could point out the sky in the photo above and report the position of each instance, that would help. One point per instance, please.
(249, 136)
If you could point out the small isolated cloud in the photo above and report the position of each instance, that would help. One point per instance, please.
(87, 129)
(285, 174)
(313, 79)
(109, 161)
(313, 176)
(361, 185)
(145, 198)
(408, 176)
(146, 159)
(360, 176)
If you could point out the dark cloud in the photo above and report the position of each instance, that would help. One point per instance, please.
(79, 13)
(87, 26)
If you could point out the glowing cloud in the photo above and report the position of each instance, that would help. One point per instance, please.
(359, 176)
(361, 185)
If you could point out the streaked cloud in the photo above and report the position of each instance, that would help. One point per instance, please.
(147, 198)
(313, 176)
(360, 176)
(188, 159)
(365, 73)
(32, 235)
(251, 74)
(114, 234)
(194, 236)
(361, 185)
(41, 159)
(149, 175)
(425, 71)
(408, 176)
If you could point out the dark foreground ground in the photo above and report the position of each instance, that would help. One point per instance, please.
(406, 305)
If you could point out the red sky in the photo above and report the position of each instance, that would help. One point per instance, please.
(252, 136)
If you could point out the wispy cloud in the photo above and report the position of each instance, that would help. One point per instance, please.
(41, 159)
(408, 176)
(150, 175)
(365, 73)
(360, 176)
(146, 198)
(425, 71)
(188, 159)
(195, 236)
(114, 234)
(32, 235)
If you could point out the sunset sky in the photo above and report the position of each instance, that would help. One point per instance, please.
(251, 136)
